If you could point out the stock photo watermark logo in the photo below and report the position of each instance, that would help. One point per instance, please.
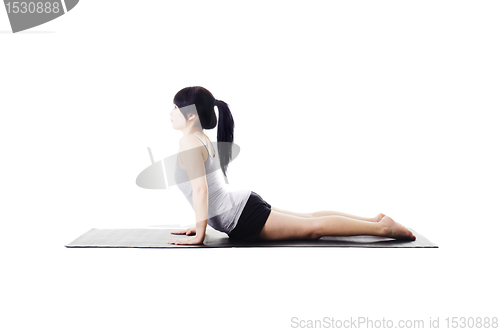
(162, 173)
(25, 15)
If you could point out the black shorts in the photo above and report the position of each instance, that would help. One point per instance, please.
(252, 219)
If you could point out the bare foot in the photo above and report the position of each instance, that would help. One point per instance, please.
(378, 217)
(396, 230)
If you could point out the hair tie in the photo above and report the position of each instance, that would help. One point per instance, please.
(215, 102)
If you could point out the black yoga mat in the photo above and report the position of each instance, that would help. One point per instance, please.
(159, 238)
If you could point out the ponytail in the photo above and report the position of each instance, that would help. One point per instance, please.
(225, 133)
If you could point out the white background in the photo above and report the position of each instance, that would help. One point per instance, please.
(353, 106)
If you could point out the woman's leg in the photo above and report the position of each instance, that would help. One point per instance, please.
(377, 218)
(282, 226)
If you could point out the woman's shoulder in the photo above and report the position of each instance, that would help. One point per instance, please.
(189, 141)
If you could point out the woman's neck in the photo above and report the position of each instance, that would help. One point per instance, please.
(192, 131)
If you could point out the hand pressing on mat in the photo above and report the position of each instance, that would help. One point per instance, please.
(189, 231)
(196, 239)
(192, 240)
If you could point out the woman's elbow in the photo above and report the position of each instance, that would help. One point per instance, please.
(200, 191)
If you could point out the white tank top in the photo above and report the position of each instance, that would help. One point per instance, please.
(224, 206)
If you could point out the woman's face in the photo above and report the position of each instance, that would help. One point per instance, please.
(177, 119)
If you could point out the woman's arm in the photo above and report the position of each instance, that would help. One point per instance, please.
(192, 158)
(200, 203)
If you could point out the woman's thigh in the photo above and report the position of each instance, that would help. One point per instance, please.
(282, 226)
(297, 214)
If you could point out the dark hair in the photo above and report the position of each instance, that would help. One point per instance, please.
(205, 102)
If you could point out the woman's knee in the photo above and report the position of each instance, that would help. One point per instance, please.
(315, 229)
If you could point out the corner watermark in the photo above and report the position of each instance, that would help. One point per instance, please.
(383, 323)
(27, 14)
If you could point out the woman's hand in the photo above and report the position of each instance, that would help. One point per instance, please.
(192, 240)
(189, 231)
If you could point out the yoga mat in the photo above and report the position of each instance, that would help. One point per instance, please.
(159, 238)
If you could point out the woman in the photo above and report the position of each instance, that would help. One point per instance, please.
(243, 214)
